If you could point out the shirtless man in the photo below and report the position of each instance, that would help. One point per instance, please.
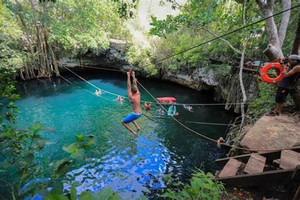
(135, 99)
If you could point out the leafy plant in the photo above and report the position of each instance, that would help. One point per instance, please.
(18, 148)
(56, 193)
(265, 101)
(201, 187)
(142, 58)
(11, 55)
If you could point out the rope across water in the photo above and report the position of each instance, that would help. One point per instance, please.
(114, 94)
(176, 120)
(208, 138)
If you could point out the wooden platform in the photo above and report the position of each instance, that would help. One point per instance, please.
(261, 168)
(231, 168)
(248, 69)
(256, 164)
(289, 159)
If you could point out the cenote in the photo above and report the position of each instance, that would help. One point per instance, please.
(131, 166)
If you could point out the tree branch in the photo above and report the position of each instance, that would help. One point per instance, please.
(260, 3)
(284, 21)
(242, 86)
(224, 40)
(270, 4)
(296, 43)
(273, 51)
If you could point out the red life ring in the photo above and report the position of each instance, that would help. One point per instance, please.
(264, 72)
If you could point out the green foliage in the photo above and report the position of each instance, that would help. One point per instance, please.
(220, 70)
(201, 187)
(18, 149)
(107, 193)
(11, 55)
(265, 101)
(125, 8)
(65, 26)
(162, 28)
(178, 42)
(142, 58)
(77, 149)
(87, 25)
(204, 20)
(7, 82)
(56, 194)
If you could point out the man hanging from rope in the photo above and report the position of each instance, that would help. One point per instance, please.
(135, 100)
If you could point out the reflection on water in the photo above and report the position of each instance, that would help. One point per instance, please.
(133, 166)
(131, 170)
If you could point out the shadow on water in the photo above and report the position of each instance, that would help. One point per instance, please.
(133, 166)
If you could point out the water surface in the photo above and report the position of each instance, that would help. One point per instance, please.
(132, 166)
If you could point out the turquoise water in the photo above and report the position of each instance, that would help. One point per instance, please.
(132, 166)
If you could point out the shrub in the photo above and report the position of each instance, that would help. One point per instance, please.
(201, 187)
(265, 101)
(142, 58)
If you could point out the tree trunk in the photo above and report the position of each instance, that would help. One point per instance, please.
(284, 21)
(296, 50)
(242, 87)
(276, 38)
(296, 44)
(273, 51)
(29, 68)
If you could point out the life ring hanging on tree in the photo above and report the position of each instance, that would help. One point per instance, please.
(264, 72)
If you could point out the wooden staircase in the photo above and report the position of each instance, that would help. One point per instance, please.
(260, 168)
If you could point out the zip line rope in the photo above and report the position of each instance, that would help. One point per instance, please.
(93, 84)
(207, 123)
(186, 127)
(152, 118)
(208, 138)
(65, 79)
(229, 33)
(191, 104)
(188, 49)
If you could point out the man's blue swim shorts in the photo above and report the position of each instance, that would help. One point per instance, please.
(131, 117)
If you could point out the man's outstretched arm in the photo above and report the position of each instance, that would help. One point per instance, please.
(128, 85)
(295, 70)
(135, 82)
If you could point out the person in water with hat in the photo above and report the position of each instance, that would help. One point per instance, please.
(135, 101)
(287, 83)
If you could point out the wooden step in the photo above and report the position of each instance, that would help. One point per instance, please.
(255, 164)
(231, 168)
(289, 159)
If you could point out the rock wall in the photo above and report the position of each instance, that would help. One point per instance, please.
(198, 79)
(227, 88)
(114, 57)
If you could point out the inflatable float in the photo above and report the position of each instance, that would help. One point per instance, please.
(166, 100)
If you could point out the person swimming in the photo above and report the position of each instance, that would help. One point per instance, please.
(120, 99)
(187, 107)
(98, 92)
(147, 106)
(161, 111)
(172, 111)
